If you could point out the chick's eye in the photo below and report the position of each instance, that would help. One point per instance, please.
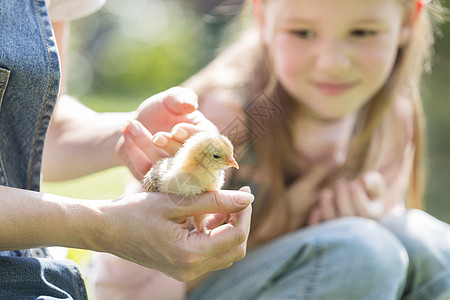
(215, 156)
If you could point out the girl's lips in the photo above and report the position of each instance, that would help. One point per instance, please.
(331, 88)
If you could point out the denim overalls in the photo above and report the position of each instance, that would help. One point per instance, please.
(29, 86)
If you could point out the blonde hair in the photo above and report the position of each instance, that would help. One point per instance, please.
(254, 77)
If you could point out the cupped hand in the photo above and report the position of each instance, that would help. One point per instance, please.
(164, 110)
(160, 112)
(363, 197)
(302, 193)
(151, 229)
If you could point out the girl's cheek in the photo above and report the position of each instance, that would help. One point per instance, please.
(378, 58)
(287, 58)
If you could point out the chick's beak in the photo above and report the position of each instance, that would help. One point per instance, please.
(233, 163)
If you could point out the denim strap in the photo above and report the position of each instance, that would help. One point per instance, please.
(29, 85)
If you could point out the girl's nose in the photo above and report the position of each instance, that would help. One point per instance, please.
(332, 56)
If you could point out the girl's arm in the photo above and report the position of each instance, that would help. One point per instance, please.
(81, 141)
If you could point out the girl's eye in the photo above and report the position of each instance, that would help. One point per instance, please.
(215, 156)
(304, 34)
(363, 33)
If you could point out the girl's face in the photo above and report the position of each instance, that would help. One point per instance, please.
(332, 56)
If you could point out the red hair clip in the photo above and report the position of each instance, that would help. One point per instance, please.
(419, 6)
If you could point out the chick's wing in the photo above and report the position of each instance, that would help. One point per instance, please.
(152, 180)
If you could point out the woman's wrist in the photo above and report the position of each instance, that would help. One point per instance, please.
(87, 225)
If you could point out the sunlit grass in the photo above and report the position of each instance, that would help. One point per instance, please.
(107, 184)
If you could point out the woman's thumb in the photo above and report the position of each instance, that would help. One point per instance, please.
(214, 202)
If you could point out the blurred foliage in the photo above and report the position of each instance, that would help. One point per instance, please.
(436, 96)
(133, 49)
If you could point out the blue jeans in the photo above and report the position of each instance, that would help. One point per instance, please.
(344, 259)
(39, 278)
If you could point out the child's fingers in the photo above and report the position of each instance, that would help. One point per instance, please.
(166, 142)
(374, 184)
(327, 206)
(136, 132)
(344, 203)
(180, 100)
(183, 131)
(137, 161)
(142, 138)
(360, 199)
(366, 206)
(171, 142)
(315, 216)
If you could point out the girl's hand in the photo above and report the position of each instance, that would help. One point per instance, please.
(161, 112)
(170, 142)
(363, 197)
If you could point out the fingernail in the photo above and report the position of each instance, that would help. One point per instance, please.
(191, 100)
(160, 140)
(245, 199)
(134, 129)
(188, 107)
(180, 133)
(369, 178)
(246, 189)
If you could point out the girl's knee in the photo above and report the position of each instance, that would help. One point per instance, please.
(422, 235)
(427, 242)
(355, 257)
(369, 247)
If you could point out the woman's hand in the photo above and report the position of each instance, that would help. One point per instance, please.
(363, 197)
(151, 229)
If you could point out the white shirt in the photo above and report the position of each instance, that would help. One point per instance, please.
(68, 10)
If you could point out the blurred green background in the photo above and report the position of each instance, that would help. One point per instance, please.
(131, 50)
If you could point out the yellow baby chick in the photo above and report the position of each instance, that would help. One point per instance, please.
(198, 166)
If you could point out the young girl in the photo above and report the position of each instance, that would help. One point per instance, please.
(323, 106)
